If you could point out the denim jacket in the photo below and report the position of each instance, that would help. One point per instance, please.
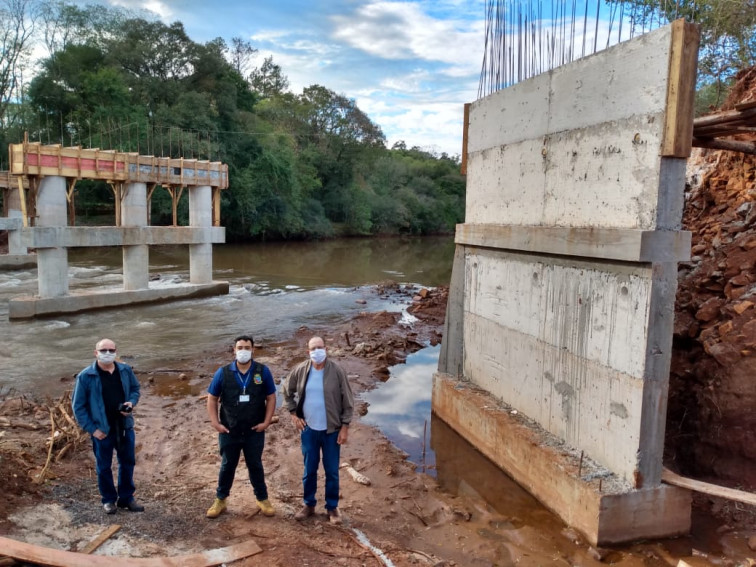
(87, 403)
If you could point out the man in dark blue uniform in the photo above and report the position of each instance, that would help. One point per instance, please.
(241, 401)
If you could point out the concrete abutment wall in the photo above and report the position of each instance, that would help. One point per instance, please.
(561, 304)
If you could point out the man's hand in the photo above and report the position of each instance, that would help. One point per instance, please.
(260, 427)
(300, 424)
(99, 435)
(219, 427)
(127, 413)
(343, 435)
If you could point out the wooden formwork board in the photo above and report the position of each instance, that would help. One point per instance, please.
(34, 159)
(56, 557)
(681, 88)
(9, 181)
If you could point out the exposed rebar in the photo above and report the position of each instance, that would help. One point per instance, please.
(524, 40)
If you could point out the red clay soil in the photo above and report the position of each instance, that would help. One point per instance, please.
(711, 420)
(405, 516)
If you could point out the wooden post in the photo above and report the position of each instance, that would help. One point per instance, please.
(465, 129)
(150, 190)
(216, 206)
(22, 196)
(681, 90)
(70, 196)
(117, 189)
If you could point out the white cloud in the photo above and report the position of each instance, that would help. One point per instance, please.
(401, 30)
(409, 65)
(160, 9)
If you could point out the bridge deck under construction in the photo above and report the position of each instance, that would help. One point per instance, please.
(35, 159)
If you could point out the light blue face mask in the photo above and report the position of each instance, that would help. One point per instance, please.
(318, 355)
(243, 356)
(106, 357)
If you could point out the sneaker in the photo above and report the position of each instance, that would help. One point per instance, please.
(334, 516)
(109, 507)
(132, 506)
(266, 507)
(305, 512)
(219, 505)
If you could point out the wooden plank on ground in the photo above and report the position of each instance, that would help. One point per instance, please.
(59, 558)
(100, 539)
(699, 486)
(694, 562)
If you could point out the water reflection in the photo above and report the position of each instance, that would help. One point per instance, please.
(464, 471)
(401, 407)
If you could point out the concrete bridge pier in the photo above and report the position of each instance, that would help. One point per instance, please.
(52, 263)
(51, 166)
(201, 216)
(15, 212)
(136, 271)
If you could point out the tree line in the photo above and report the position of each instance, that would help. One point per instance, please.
(307, 165)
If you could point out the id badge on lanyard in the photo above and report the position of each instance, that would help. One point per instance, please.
(244, 396)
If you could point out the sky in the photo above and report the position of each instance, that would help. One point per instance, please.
(409, 65)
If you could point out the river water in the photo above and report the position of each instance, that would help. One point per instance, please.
(274, 289)
(401, 407)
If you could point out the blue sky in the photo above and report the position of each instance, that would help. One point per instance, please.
(409, 65)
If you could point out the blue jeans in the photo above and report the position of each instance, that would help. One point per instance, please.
(231, 447)
(103, 451)
(313, 442)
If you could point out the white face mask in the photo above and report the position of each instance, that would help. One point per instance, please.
(318, 355)
(243, 356)
(106, 357)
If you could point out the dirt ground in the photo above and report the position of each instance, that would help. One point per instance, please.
(401, 518)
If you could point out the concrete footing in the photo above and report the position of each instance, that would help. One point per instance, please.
(28, 307)
(17, 261)
(605, 509)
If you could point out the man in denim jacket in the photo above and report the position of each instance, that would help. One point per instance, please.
(105, 395)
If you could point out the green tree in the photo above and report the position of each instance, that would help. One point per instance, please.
(728, 31)
(300, 166)
(241, 54)
(18, 19)
(268, 79)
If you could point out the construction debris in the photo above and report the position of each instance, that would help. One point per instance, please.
(357, 476)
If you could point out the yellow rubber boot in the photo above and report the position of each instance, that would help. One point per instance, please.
(266, 507)
(217, 508)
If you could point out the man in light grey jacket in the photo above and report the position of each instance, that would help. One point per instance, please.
(320, 400)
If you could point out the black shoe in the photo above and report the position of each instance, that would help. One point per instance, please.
(132, 506)
(109, 507)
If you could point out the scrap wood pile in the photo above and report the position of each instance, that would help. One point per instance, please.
(34, 436)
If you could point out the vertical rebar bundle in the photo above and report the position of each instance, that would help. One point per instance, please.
(525, 38)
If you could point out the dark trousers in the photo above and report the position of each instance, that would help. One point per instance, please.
(251, 443)
(313, 442)
(103, 451)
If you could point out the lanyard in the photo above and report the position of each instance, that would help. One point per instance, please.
(247, 375)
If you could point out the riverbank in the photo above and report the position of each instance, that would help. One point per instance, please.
(405, 516)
